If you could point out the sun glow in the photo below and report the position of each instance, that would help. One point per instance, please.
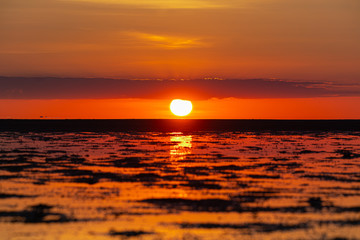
(180, 107)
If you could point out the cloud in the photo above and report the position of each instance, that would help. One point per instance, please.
(161, 4)
(166, 41)
(105, 88)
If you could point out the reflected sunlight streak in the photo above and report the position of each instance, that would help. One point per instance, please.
(181, 146)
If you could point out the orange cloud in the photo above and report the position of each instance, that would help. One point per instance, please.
(166, 41)
(163, 4)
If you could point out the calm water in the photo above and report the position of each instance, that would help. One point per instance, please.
(202, 185)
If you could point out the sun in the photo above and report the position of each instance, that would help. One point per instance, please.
(181, 107)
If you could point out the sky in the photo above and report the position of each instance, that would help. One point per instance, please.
(276, 59)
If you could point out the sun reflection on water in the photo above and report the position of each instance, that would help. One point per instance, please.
(181, 146)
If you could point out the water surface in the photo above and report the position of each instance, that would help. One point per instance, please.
(175, 185)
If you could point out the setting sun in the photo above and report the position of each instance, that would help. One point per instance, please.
(181, 107)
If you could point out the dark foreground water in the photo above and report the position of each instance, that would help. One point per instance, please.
(189, 185)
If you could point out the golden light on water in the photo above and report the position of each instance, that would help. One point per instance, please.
(182, 146)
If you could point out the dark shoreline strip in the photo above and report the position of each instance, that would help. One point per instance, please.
(177, 125)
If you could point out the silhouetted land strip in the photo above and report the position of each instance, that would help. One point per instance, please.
(181, 125)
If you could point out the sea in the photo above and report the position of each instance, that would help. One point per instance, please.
(179, 179)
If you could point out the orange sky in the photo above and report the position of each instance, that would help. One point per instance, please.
(298, 108)
(309, 40)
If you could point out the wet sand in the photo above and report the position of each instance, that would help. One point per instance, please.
(180, 185)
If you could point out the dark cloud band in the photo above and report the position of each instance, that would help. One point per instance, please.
(102, 88)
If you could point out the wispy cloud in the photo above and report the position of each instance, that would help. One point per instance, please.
(96, 88)
(166, 41)
(162, 4)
